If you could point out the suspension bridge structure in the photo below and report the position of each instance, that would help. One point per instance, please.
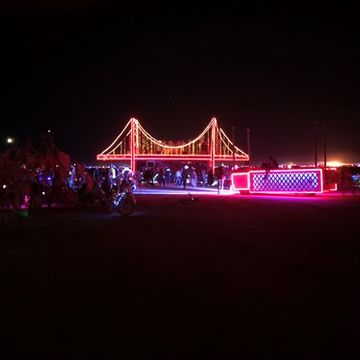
(135, 143)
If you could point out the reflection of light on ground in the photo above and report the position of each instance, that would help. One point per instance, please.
(292, 198)
(214, 192)
(116, 216)
(192, 191)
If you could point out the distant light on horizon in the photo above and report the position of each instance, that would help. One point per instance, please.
(9, 140)
(335, 163)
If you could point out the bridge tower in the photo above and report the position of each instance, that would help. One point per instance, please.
(213, 144)
(134, 143)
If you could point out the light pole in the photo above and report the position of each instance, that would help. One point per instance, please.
(248, 144)
(325, 144)
(233, 147)
(315, 142)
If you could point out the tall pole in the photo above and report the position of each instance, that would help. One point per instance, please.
(133, 146)
(325, 153)
(212, 145)
(248, 144)
(325, 145)
(315, 143)
(233, 147)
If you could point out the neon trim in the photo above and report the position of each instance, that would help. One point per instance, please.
(143, 146)
(106, 157)
(233, 181)
(159, 143)
(221, 130)
(116, 137)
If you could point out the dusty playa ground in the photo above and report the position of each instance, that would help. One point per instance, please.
(218, 275)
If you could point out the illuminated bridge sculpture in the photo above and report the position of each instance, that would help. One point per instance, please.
(135, 143)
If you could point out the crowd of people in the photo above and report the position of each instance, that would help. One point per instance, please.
(31, 178)
(34, 178)
(183, 176)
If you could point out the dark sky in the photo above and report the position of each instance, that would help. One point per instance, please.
(83, 68)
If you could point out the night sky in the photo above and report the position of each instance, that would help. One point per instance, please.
(83, 68)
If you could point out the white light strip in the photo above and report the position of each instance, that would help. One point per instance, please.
(117, 138)
(157, 142)
(244, 153)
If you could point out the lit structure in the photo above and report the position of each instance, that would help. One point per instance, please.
(135, 143)
(286, 181)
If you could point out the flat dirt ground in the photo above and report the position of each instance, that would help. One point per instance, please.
(227, 276)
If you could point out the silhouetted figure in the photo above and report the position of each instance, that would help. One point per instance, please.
(194, 178)
(210, 177)
(273, 164)
(82, 195)
(220, 176)
(178, 177)
(185, 174)
(167, 177)
(268, 165)
(347, 182)
(148, 177)
(161, 177)
(203, 176)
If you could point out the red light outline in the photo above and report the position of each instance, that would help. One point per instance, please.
(240, 174)
(118, 157)
(132, 154)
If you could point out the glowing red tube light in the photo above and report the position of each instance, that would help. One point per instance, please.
(190, 157)
(240, 181)
(135, 143)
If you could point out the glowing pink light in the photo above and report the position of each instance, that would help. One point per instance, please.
(240, 181)
(219, 147)
(127, 157)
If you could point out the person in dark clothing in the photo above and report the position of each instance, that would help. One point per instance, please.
(268, 165)
(220, 177)
(148, 177)
(161, 177)
(185, 174)
(210, 177)
(82, 195)
(105, 185)
(167, 177)
(273, 164)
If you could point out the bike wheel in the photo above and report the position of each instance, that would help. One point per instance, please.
(126, 208)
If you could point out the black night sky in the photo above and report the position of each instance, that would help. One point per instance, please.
(83, 68)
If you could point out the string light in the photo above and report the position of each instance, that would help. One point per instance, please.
(218, 146)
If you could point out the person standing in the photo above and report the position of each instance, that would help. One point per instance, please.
(178, 178)
(161, 177)
(194, 178)
(210, 177)
(185, 174)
